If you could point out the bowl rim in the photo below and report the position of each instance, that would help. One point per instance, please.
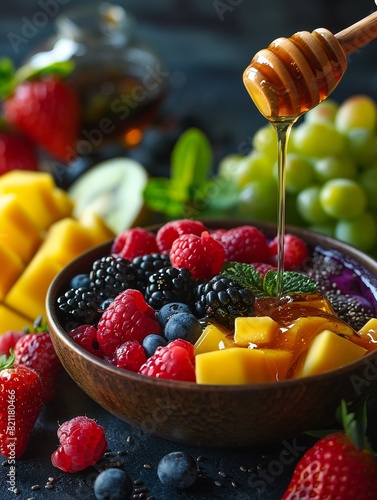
(364, 259)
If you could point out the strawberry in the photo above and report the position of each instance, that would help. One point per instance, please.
(174, 229)
(82, 444)
(8, 340)
(128, 317)
(202, 255)
(35, 350)
(133, 243)
(340, 465)
(43, 106)
(245, 244)
(175, 361)
(295, 251)
(17, 152)
(20, 405)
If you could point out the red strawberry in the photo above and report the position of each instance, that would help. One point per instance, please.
(17, 152)
(35, 350)
(134, 243)
(201, 255)
(172, 230)
(128, 317)
(8, 340)
(86, 337)
(82, 444)
(47, 111)
(245, 244)
(130, 355)
(175, 361)
(340, 465)
(295, 251)
(20, 405)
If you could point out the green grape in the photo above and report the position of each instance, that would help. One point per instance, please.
(318, 139)
(258, 200)
(368, 180)
(362, 146)
(342, 198)
(265, 141)
(229, 164)
(333, 167)
(299, 173)
(358, 111)
(324, 112)
(292, 216)
(361, 231)
(252, 167)
(309, 206)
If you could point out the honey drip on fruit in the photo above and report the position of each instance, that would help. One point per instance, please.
(289, 77)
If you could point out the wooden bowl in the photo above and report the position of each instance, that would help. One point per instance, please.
(213, 415)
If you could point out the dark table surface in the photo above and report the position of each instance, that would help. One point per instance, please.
(206, 45)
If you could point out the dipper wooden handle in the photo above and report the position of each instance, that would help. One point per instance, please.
(359, 34)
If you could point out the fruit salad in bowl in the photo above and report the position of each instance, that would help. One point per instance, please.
(181, 331)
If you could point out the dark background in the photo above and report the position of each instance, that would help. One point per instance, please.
(206, 45)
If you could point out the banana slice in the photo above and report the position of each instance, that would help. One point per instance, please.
(114, 190)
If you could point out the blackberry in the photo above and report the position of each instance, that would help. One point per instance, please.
(81, 305)
(112, 275)
(146, 265)
(170, 284)
(224, 299)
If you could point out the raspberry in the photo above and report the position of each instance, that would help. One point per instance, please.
(263, 268)
(130, 355)
(174, 229)
(82, 444)
(295, 251)
(133, 243)
(201, 255)
(245, 244)
(172, 362)
(128, 317)
(86, 337)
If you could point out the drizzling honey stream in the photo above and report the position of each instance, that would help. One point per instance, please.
(293, 75)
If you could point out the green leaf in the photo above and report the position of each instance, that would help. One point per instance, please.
(191, 158)
(7, 361)
(7, 77)
(30, 72)
(249, 277)
(161, 195)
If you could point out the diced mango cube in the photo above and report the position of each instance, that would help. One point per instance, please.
(18, 231)
(234, 366)
(257, 330)
(63, 204)
(11, 320)
(65, 240)
(34, 191)
(28, 295)
(214, 337)
(97, 227)
(327, 351)
(280, 361)
(370, 329)
(11, 268)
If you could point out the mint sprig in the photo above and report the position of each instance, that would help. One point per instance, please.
(192, 190)
(247, 276)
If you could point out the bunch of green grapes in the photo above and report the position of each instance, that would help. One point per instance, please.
(330, 175)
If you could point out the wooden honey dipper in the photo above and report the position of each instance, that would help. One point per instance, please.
(293, 75)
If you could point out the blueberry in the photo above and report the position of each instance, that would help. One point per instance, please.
(151, 342)
(105, 304)
(183, 326)
(80, 281)
(112, 484)
(168, 310)
(178, 470)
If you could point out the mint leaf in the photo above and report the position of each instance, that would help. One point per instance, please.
(162, 196)
(7, 77)
(191, 158)
(249, 277)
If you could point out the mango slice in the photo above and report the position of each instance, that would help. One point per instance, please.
(11, 268)
(327, 351)
(256, 330)
(214, 337)
(238, 365)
